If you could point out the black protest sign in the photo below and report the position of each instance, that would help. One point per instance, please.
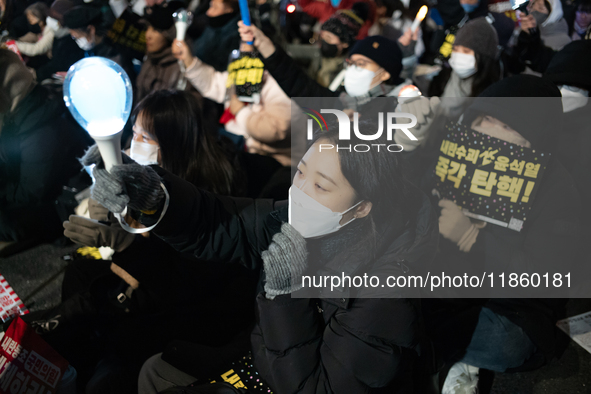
(129, 34)
(245, 72)
(490, 179)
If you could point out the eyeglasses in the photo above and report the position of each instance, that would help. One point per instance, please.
(361, 63)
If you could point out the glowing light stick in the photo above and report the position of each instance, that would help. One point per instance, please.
(419, 18)
(244, 11)
(98, 93)
(182, 20)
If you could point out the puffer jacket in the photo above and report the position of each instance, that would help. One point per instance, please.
(339, 344)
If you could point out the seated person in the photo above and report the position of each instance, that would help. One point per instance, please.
(352, 344)
(265, 125)
(38, 150)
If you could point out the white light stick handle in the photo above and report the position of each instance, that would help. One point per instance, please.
(110, 149)
(181, 30)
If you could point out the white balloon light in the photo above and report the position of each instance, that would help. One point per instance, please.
(98, 93)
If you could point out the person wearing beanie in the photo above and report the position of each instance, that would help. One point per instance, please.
(64, 50)
(473, 65)
(88, 27)
(502, 334)
(160, 69)
(38, 150)
(337, 35)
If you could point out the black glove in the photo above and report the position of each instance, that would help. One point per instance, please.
(128, 184)
(92, 233)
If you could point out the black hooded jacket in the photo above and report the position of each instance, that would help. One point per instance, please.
(327, 345)
(549, 240)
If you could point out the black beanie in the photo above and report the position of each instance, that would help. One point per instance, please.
(159, 16)
(572, 65)
(345, 24)
(535, 111)
(480, 36)
(386, 53)
(82, 16)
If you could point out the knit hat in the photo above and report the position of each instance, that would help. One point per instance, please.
(386, 53)
(571, 65)
(59, 8)
(159, 16)
(479, 36)
(535, 110)
(82, 16)
(345, 24)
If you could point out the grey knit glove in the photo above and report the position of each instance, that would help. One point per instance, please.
(90, 232)
(285, 262)
(128, 184)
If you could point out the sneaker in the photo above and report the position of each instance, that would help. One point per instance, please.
(461, 379)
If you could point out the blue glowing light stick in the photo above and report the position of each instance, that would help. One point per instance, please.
(245, 12)
(98, 93)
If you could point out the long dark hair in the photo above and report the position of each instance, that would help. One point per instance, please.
(488, 71)
(173, 119)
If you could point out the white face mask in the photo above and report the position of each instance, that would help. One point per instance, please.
(144, 153)
(310, 218)
(52, 24)
(84, 44)
(463, 64)
(358, 81)
(573, 98)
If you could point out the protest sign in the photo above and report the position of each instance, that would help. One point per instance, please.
(490, 179)
(10, 304)
(27, 363)
(245, 72)
(129, 34)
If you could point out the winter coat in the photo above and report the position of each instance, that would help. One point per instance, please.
(342, 345)
(554, 30)
(215, 44)
(38, 150)
(65, 52)
(159, 71)
(41, 47)
(266, 125)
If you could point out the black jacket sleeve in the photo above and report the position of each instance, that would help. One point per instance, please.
(532, 52)
(368, 346)
(292, 79)
(214, 228)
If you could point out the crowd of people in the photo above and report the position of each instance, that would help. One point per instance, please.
(207, 301)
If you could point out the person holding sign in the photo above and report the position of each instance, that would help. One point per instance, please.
(502, 334)
(265, 124)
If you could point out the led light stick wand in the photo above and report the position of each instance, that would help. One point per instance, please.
(182, 20)
(98, 93)
(419, 18)
(245, 12)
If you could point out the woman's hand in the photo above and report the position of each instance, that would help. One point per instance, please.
(181, 51)
(527, 23)
(263, 43)
(128, 184)
(235, 104)
(284, 262)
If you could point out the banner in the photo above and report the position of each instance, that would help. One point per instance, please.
(490, 179)
(129, 34)
(245, 72)
(27, 363)
(10, 303)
